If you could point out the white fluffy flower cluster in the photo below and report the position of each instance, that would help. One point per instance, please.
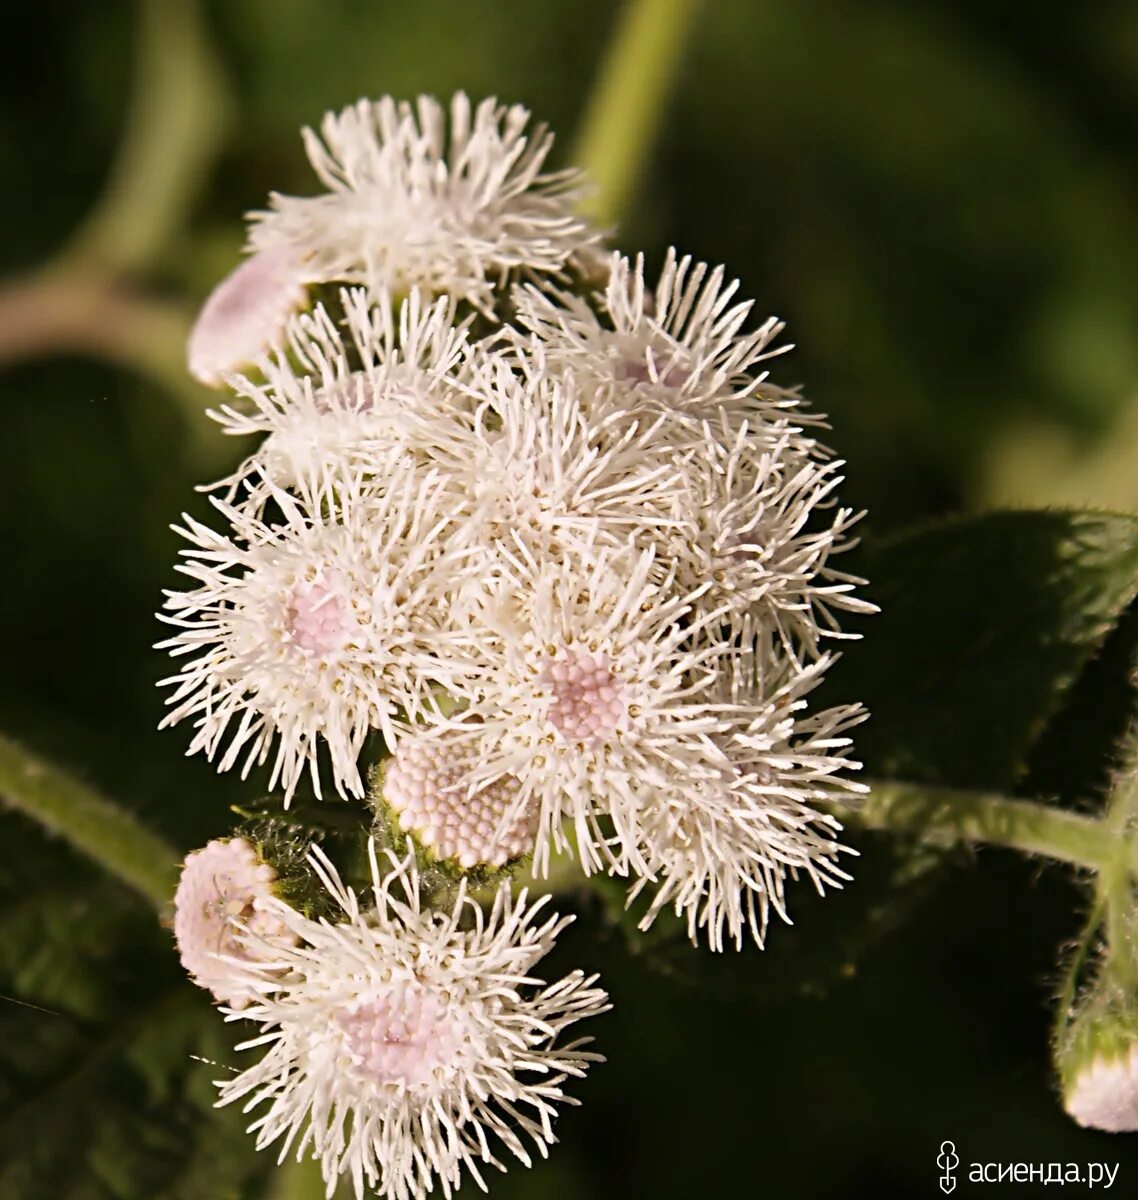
(551, 533)
(400, 1039)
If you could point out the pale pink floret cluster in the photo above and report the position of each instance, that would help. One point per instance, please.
(318, 619)
(588, 699)
(222, 895)
(400, 1034)
(425, 786)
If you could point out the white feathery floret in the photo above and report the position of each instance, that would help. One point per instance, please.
(679, 348)
(720, 853)
(532, 466)
(752, 510)
(761, 529)
(418, 196)
(581, 678)
(321, 627)
(339, 400)
(405, 1046)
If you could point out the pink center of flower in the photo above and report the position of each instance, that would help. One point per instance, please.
(636, 370)
(355, 395)
(588, 699)
(317, 618)
(400, 1036)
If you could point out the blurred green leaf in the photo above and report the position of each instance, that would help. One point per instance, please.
(830, 937)
(985, 624)
(1073, 763)
(102, 1091)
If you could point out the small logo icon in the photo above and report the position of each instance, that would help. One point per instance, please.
(948, 1161)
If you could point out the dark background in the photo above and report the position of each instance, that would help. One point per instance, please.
(940, 199)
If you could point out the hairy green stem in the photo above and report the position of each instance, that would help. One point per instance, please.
(628, 99)
(950, 815)
(91, 823)
(1117, 889)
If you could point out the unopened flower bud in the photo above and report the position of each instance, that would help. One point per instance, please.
(425, 786)
(245, 316)
(1097, 1060)
(219, 916)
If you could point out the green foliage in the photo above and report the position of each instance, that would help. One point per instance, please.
(985, 624)
(102, 1094)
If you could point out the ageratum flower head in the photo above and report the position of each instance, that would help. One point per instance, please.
(319, 627)
(221, 896)
(450, 201)
(340, 398)
(404, 1046)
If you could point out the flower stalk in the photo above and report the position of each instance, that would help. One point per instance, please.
(174, 130)
(627, 102)
(949, 816)
(1096, 1025)
(90, 822)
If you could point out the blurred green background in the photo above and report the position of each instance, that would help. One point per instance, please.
(941, 199)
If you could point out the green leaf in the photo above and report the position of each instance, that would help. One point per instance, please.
(830, 936)
(985, 624)
(102, 1091)
(1076, 758)
(988, 626)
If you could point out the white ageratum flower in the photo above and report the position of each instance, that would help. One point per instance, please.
(221, 896)
(719, 853)
(338, 402)
(680, 348)
(419, 197)
(406, 1046)
(754, 514)
(533, 466)
(245, 316)
(579, 680)
(762, 528)
(321, 627)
